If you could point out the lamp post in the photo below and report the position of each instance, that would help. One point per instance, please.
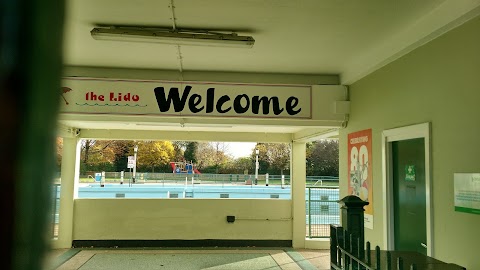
(256, 166)
(135, 150)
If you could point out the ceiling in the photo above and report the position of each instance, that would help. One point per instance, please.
(125, 125)
(347, 38)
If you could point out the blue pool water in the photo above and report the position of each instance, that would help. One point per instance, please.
(168, 191)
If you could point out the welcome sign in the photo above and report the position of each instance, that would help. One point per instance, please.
(102, 96)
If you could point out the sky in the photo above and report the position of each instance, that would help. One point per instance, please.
(240, 149)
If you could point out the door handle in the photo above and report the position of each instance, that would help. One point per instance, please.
(423, 245)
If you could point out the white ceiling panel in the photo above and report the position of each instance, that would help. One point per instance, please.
(311, 37)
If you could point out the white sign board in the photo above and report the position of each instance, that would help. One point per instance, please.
(165, 98)
(467, 192)
(131, 162)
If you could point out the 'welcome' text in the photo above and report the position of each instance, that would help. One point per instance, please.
(240, 104)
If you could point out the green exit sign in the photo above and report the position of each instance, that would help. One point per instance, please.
(410, 173)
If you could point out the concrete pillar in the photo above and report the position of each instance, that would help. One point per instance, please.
(68, 191)
(297, 182)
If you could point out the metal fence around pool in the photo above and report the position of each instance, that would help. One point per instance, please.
(322, 210)
(206, 178)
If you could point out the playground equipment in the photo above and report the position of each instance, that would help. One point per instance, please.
(184, 167)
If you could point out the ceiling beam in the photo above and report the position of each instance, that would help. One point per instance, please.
(219, 76)
(185, 136)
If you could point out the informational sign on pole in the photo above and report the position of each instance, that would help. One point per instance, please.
(131, 162)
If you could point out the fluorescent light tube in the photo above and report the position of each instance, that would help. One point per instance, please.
(166, 36)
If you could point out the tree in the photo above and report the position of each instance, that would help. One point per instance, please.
(205, 155)
(59, 152)
(85, 150)
(121, 150)
(212, 157)
(273, 157)
(191, 151)
(220, 157)
(279, 156)
(154, 154)
(243, 164)
(96, 151)
(264, 165)
(96, 155)
(179, 148)
(322, 158)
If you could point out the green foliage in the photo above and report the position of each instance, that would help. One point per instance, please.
(212, 157)
(179, 148)
(154, 154)
(121, 150)
(59, 152)
(322, 158)
(278, 157)
(273, 158)
(205, 156)
(97, 152)
(86, 168)
(264, 165)
(243, 165)
(190, 152)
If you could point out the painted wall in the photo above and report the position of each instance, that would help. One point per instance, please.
(187, 219)
(438, 83)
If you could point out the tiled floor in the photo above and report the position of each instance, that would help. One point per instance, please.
(285, 259)
(318, 258)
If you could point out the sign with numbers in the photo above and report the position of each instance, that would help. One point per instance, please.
(360, 170)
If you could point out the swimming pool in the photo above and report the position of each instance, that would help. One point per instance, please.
(137, 191)
(321, 208)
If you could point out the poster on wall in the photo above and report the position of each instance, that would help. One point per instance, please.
(360, 170)
(467, 192)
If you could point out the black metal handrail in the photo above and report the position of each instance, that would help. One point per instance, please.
(347, 248)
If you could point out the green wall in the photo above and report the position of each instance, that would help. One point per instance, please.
(438, 83)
